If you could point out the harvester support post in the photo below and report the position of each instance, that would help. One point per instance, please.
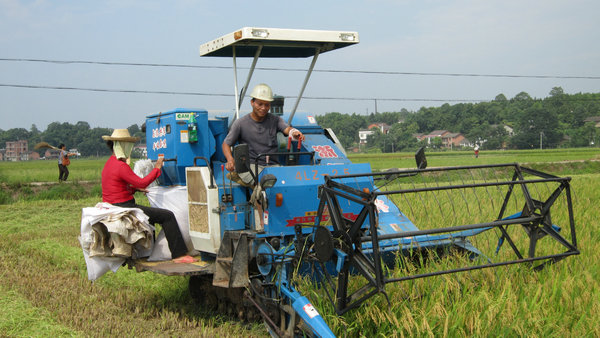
(235, 85)
(250, 73)
(308, 73)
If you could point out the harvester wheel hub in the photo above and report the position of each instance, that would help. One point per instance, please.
(323, 244)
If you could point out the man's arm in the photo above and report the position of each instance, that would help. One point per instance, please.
(230, 166)
(230, 140)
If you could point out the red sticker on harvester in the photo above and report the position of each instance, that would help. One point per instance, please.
(310, 310)
(325, 151)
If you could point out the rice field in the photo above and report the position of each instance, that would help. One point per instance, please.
(45, 292)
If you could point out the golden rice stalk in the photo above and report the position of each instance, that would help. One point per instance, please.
(44, 145)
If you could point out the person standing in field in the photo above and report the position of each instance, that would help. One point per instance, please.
(63, 162)
(476, 151)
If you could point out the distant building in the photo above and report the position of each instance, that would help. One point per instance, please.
(594, 119)
(141, 150)
(34, 155)
(51, 154)
(364, 133)
(451, 140)
(384, 128)
(436, 133)
(75, 151)
(418, 136)
(17, 151)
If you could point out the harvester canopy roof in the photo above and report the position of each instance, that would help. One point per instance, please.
(278, 42)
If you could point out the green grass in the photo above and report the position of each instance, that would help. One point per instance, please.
(84, 169)
(19, 318)
(462, 158)
(44, 289)
(90, 169)
(561, 300)
(43, 279)
(14, 192)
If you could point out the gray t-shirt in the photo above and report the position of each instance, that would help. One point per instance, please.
(261, 137)
(61, 156)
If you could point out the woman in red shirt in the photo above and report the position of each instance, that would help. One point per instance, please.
(119, 183)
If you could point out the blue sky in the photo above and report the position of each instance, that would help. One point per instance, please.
(555, 38)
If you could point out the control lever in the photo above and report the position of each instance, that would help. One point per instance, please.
(226, 197)
(291, 158)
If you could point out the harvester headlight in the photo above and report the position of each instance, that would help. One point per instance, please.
(347, 37)
(260, 33)
(268, 181)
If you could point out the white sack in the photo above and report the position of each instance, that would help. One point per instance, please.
(142, 168)
(175, 199)
(98, 265)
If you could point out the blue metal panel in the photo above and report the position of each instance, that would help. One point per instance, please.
(235, 215)
(305, 121)
(298, 186)
(167, 134)
(218, 127)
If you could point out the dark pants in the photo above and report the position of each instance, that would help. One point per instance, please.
(63, 172)
(167, 220)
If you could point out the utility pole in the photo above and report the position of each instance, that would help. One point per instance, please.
(541, 139)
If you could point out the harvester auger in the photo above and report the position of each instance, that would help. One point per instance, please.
(320, 216)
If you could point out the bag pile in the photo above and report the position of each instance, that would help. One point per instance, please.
(110, 234)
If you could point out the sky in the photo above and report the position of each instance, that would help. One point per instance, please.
(419, 44)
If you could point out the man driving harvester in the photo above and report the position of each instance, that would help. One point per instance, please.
(259, 131)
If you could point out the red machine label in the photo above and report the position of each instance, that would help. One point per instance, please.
(325, 151)
(159, 144)
(159, 132)
(310, 310)
(307, 218)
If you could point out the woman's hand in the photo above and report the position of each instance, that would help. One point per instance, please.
(159, 162)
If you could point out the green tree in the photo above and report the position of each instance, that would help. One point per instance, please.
(537, 125)
(500, 98)
(401, 135)
(584, 136)
(497, 138)
(344, 126)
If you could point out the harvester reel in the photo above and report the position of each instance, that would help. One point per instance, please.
(352, 246)
(350, 258)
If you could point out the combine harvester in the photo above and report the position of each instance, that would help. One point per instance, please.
(350, 229)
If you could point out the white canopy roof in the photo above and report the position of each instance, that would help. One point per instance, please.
(275, 43)
(278, 42)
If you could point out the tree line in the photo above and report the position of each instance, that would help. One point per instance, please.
(88, 141)
(557, 121)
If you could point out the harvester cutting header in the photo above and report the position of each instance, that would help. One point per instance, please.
(307, 210)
